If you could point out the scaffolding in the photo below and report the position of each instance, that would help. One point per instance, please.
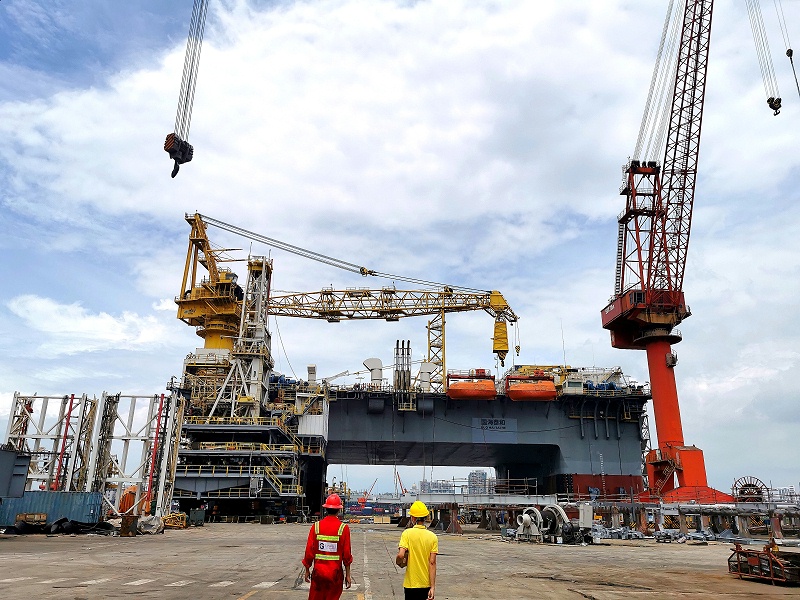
(111, 445)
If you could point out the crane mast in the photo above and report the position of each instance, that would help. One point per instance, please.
(651, 257)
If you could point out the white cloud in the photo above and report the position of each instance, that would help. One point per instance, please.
(165, 304)
(72, 329)
(416, 109)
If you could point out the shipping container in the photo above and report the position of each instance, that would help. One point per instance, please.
(13, 473)
(84, 507)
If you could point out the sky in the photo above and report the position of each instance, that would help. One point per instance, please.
(477, 143)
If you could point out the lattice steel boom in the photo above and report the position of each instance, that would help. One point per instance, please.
(651, 259)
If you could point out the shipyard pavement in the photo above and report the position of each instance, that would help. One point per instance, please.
(262, 562)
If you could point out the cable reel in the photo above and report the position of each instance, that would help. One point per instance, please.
(529, 525)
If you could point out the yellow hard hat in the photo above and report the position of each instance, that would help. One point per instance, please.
(418, 509)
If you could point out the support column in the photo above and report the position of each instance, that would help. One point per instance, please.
(743, 524)
(665, 394)
(705, 522)
(775, 525)
(455, 525)
(643, 524)
(484, 522)
(616, 518)
(682, 525)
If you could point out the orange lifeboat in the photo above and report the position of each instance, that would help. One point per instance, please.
(526, 389)
(481, 389)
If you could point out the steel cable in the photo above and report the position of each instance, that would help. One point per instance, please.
(652, 130)
(786, 41)
(667, 87)
(762, 51)
(647, 115)
(191, 64)
(325, 259)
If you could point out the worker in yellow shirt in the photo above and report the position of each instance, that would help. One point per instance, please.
(417, 552)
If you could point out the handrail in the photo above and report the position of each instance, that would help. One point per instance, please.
(248, 446)
(199, 420)
(218, 470)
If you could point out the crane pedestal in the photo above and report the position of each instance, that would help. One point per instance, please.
(676, 472)
(673, 460)
(687, 465)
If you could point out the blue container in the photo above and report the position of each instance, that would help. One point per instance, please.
(85, 507)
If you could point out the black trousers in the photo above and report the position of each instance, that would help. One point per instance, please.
(416, 593)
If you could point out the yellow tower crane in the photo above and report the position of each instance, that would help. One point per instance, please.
(214, 304)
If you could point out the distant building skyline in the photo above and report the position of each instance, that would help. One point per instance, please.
(477, 482)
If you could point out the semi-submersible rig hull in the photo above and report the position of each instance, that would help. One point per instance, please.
(585, 441)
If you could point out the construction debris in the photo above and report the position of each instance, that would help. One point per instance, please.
(769, 563)
(175, 521)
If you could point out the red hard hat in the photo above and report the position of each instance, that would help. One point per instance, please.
(333, 501)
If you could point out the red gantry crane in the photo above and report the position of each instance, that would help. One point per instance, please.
(365, 498)
(651, 256)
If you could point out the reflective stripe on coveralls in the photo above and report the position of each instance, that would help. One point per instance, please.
(333, 554)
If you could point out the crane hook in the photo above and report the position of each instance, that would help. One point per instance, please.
(175, 169)
(774, 104)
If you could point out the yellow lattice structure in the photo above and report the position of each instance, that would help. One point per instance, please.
(175, 521)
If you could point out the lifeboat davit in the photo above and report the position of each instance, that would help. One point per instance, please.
(538, 390)
(482, 389)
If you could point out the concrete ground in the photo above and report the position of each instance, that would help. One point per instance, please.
(262, 562)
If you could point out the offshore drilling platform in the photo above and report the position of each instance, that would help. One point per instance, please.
(253, 439)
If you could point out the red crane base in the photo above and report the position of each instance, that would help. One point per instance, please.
(673, 460)
(686, 464)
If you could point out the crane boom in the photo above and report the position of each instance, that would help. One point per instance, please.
(651, 259)
(392, 304)
(365, 498)
(681, 156)
(386, 303)
(327, 380)
(403, 489)
(655, 225)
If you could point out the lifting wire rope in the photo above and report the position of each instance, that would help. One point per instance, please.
(328, 260)
(654, 119)
(764, 56)
(177, 143)
(786, 41)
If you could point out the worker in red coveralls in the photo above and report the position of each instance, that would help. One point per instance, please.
(328, 548)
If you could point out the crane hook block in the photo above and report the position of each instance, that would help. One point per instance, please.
(179, 150)
(774, 104)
